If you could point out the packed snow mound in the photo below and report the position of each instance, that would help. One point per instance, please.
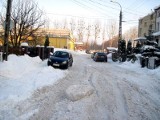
(18, 65)
(77, 92)
(20, 76)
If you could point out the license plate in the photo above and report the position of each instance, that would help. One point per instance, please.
(56, 64)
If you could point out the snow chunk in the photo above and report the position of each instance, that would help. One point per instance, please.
(77, 92)
(24, 44)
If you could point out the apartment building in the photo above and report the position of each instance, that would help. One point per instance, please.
(157, 24)
(147, 25)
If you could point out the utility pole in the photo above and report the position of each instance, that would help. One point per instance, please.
(120, 25)
(7, 28)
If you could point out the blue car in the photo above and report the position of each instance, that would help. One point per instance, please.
(60, 59)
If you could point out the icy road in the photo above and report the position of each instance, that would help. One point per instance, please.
(121, 91)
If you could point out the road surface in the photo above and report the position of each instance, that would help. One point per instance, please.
(118, 95)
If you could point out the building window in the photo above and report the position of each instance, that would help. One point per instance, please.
(159, 14)
(145, 24)
(140, 31)
(151, 17)
(158, 26)
(150, 27)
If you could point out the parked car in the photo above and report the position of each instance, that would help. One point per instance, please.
(93, 54)
(100, 56)
(60, 59)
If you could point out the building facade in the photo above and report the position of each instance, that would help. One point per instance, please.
(147, 25)
(157, 23)
(59, 38)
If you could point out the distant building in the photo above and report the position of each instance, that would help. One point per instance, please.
(79, 46)
(147, 25)
(59, 38)
(157, 23)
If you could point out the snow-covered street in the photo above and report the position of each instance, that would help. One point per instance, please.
(30, 89)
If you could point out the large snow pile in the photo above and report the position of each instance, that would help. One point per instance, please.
(21, 75)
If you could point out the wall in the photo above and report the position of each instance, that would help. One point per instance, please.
(145, 23)
(58, 42)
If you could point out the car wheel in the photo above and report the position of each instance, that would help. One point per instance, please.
(48, 63)
(67, 65)
(71, 64)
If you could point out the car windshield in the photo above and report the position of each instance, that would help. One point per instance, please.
(100, 54)
(61, 54)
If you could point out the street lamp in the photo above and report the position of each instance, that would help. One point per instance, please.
(120, 20)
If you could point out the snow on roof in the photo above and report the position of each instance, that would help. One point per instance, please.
(78, 43)
(112, 48)
(156, 33)
(24, 44)
(157, 7)
(141, 38)
(148, 47)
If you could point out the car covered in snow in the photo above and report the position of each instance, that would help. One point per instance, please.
(60, 59)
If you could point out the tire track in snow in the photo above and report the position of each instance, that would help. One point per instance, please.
(113, 96)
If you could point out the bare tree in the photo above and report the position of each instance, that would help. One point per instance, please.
(96, 30)
(65, 24)
(112, 30)
(72, 25)
(27, 19)
(56, 24)
(80, 29)
(103, 36)
(88, 34)
(131, 34)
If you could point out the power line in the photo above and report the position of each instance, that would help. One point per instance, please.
(76, 16)
(91, 17)
(88, 7)
(114, 8)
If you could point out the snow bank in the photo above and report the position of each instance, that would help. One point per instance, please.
(16, 66)
(22, 75)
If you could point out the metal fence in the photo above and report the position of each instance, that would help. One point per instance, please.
(42, 52)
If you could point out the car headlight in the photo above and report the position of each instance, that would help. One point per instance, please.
(64, 62)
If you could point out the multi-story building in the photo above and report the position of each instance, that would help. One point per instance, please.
(157, 24)
(146, 25)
